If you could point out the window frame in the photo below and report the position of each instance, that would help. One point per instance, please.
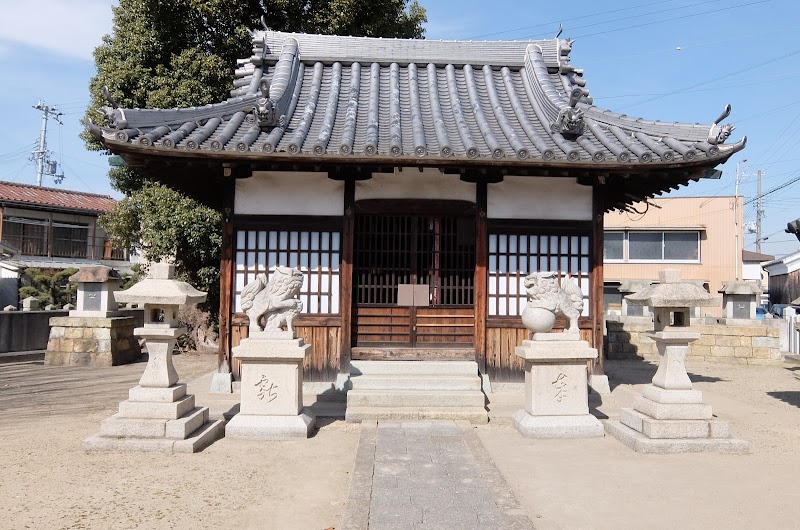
(626, 249)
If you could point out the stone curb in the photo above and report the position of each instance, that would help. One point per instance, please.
(359, 498)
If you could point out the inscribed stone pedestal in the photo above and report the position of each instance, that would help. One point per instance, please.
(271, 390)
(556, 397)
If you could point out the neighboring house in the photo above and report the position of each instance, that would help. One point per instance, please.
(753, 270)
(55, 228)
(701, 236)
(784, 279)
(380, 167)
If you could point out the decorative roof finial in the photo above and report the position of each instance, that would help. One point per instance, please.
(560, 30)
(108, 97)
(570, 120)
(264, 19)
(719, 133)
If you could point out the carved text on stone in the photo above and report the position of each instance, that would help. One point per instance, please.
(266, 389)
(560, 384)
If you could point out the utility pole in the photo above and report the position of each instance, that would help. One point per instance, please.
(737, 255)
(759, 214)
(44, 166)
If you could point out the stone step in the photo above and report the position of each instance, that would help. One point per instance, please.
(197, 441)
(357, 414)
(664, 429)
(416, 382)
(153, 410)
(642, 444)
(184, 426)
(358, 368)
(118, 427)
(160, 395)
(673, 411)
(415, 398)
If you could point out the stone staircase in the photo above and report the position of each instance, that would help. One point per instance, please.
(418, 390)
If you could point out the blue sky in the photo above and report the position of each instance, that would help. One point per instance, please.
(680, 60)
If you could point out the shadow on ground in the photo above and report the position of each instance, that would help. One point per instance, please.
(641, 372)
(792, 397)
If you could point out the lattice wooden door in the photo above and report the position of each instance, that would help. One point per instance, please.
(437, 251)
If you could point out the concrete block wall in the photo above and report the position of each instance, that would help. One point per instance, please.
(740, 344)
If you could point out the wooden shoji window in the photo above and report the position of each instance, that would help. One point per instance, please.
(513, 255)
(314, 252)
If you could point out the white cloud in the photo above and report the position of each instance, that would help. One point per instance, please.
(71, 29)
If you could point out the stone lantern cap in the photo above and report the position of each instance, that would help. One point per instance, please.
(161, 288)
(741, 287)
(672, 292)
(633, 286)
(95, 274)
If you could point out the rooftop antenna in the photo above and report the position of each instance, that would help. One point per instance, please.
(44, 165)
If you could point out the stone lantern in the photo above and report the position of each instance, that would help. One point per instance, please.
(670, 416)
(95, 333)
(158, 414)
(739, 301)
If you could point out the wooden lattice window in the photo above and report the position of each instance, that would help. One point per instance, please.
(315, 253)
(512, 256)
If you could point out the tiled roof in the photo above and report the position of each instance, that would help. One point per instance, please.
(330, 98)
(26, 194)
(748, 255)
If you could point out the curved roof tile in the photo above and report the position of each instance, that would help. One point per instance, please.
(331, 97)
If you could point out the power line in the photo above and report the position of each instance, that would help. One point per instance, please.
(731, 74)
(691, 15)
(775, 189)
(545, 24)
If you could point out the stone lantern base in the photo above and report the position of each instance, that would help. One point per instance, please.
(160, 420)
(271, 389)
(92, 341)
(673, 421)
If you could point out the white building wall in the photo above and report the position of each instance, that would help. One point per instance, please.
(413, 184)
(540, 198)
(288, 193)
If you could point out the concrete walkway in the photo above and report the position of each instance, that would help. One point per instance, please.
(428, 475)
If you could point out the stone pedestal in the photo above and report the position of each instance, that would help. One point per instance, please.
(92, 341)
(670, 416)
(158, 415)
(271, 389)
(556, 396)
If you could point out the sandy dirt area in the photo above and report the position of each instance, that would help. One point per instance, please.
(600, 483)
(49, 481)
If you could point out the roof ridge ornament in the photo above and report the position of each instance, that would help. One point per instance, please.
(570, 119)
(717, 134)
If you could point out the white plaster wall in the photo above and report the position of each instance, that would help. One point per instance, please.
(540, 198)
(413, 184)
(289, 193)
(751, 271)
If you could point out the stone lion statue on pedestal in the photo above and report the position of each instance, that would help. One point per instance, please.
(271, 305)
(544, 293)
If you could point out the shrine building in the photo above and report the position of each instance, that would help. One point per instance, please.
(415, 184)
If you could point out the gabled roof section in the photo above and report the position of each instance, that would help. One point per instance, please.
(12, 193)
(332, 99)
(749, 255)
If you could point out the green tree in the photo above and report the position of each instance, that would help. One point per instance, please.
(179, 53)
(48, 286)
(158, 223)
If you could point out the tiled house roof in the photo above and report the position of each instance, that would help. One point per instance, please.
(355, 105)
(12, 193)
(337, 97)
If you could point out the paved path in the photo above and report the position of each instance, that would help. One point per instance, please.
(428, 475)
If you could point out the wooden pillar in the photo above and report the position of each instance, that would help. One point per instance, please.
(49, 241)
(597, 309)
(226, 277)
(481, 264)
(346, 271)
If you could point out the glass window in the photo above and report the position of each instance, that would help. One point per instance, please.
(681, 246)
(645, 245)
(612, 245)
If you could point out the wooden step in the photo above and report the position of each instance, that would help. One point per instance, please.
(414, 354)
